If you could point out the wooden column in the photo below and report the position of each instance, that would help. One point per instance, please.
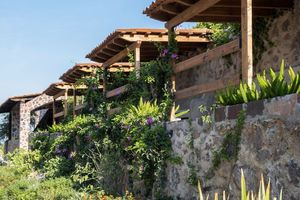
(171, 33)
(66, 103)
(137, 57)
(247, 42)
(54, 110)
(74, 101)
(104, 78)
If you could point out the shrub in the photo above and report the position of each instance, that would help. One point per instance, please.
(276, 85)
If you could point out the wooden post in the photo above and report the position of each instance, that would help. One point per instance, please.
(66, 103)
(74, 101)
(171, 33)
(137, 57)
(247, 42)
(105, 70)
(54, 111)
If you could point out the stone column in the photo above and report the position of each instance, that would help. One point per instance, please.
(24, 126)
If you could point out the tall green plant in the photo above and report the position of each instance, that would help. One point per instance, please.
(263, 193)
(269, 85)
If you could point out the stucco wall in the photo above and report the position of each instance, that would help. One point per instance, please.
(269, 146)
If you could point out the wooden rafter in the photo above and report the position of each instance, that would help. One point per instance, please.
(123, 38)
(190, 12)
(166, 10)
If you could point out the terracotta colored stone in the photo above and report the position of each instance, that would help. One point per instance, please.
(255, 108)
(234, 110)
(220, 114)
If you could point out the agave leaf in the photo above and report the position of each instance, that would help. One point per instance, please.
(267, 197)
(216, 196)
(280, 197)
(243, 186)
(200, 191)
(263, 191)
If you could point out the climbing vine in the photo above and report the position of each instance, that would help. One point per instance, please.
(231, 144)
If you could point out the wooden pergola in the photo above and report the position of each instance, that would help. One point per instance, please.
(116, 47)
(175, 12)
(81, 70)
(61, 91)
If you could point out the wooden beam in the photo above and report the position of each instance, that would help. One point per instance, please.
(66, 103)
(185, 3)
(247, 42)
(117, 91)
(171, 34)
(74, 101)
(190, 12)
(59, 95)
(121, 55)
(60, 114)
(215, 53)
(207, 87)
(137, 61)
(53, 111)
(164, 38)
(113, 111)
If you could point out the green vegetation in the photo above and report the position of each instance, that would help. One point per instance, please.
(231, 144)
(4, 126)
(269, 86)
(264, 192)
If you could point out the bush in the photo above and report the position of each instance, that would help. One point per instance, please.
(276, 85)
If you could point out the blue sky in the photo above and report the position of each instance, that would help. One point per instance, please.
(40, 40)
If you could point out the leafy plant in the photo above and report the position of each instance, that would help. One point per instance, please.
(276, 85)
(231, 143)
(263, 193)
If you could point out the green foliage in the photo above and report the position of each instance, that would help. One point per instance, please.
(192, 179)
(231, 144)
(4, 126)
(24, 161)
(222, 33)
(268, 87)
(264, 192)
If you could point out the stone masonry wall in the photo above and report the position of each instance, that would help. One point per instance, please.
(269, 145)
(21, 116)
(284, 33)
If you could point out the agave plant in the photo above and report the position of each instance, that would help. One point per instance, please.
(263, 193)
(268, 87)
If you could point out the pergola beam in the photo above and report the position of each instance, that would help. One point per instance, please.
(247, 42)
(121, 54)
(190, 12)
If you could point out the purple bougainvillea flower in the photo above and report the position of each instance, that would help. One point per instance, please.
(174, 56)
(97, 126)
(164, 52)
(150, 121)
(129, 139)
(64, 150)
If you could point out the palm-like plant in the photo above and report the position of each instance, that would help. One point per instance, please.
(263, 193)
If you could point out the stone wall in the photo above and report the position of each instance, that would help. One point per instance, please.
(269, 145)
(284, 34)
(21, 121)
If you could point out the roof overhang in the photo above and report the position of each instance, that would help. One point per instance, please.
(122, 39)
(212, 10)
(81, 70)
(12, 101)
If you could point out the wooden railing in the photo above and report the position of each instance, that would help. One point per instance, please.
(117, 91)
(207, 87)
(215, 53)
(195, 61)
